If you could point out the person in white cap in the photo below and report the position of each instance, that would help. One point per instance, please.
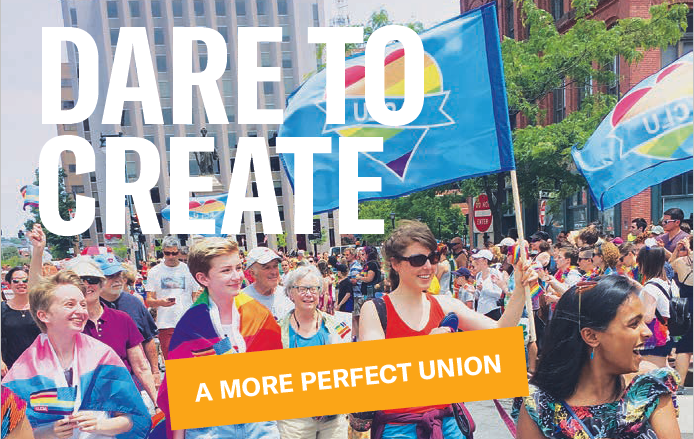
(263, 264)
(490, 285)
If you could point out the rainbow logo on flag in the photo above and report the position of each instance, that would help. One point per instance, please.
(342, 329)
(57, 401)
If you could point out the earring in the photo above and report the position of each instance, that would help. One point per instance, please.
(592, 353)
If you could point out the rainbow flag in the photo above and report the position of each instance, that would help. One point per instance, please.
(342, 329)
(195, 336)
(57, 401)
(102, 380)
(30, 195)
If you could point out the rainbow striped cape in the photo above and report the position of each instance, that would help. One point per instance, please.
(195, 336)
(102, 384)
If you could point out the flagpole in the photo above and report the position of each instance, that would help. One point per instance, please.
(521, 238)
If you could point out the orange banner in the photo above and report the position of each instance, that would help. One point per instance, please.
(344, 378)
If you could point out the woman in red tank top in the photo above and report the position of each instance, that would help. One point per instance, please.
(411, 254)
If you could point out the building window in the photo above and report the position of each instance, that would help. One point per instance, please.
(159, 36)
(78, 189)
(275, 163)
(286, 36)
(203, 62)
(231, 113)
(69, 127)
(261, 7)
(220, 8)
(86, 234)
(72, 168)
(314, 9)
(557, 9)
(125, 118)
(228, 87)
(241, 8)
(167, 113)
(85, 125)
(68, 105)
(161, 63)
(199, 7)
(265, 59)
(252, 134)
(676, 51)
(95, 195)
(114, 35)
(559, 97)
(268, 88)
(288, 84)
(156, 8)
(613, 87)
(164, 89)
(278, 188)
(286, 60)
(65, 83)
(134, 8)
(584, 90)
(282, 7)
(112, 9)
(73, 17)
(224, 32)
(154, 195)
(177, 6)
(99, 228)
(510, 22)
(280, 210)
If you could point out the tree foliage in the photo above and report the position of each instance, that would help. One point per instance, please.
(57, 245)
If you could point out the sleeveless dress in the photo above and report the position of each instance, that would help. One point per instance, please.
(626, 418)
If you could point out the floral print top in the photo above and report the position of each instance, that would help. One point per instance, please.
(626, 418)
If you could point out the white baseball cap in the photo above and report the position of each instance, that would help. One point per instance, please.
(507, 242)
(486, 254)
(261, 255)
(85, 266)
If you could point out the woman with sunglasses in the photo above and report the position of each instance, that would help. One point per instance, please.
(584, 386)
(18, 328)
(305, 326)
(411, 253)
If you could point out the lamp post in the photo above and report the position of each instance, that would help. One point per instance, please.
(392, 219)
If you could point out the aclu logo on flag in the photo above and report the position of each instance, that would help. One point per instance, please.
(399, 143)
(462, 130)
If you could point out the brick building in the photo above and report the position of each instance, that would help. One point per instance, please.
(580, 210)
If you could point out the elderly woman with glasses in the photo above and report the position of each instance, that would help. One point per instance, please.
(306, 326)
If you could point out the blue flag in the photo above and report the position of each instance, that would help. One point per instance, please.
(211, 207)
(645, 140)
(462, 131)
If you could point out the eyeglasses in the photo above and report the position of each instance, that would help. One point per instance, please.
(306, 290)
(16, 281)
(667, 221)
(170, 253)
(91, 280)
(418, 260)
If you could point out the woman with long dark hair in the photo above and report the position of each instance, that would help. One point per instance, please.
(584, 385)
(654, 295)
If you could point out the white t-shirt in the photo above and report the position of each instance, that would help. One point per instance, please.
(174, 282)
(490, 292)
(277, 303)
(662, 304)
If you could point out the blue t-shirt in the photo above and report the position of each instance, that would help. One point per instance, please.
(320, 338)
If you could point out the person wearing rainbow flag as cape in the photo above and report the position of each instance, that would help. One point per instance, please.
(75, 386)
(221, 321)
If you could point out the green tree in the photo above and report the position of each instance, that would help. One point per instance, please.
(9, 252)
(58, 245)
(121, 249)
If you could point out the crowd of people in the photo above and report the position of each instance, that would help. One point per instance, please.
(84, 344)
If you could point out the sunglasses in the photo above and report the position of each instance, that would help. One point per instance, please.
(418, 260)
(91, 280)
(170, 253)
(668, 221)
(16, 281)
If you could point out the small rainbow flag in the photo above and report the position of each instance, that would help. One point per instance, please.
(342, 329)
(56, 401)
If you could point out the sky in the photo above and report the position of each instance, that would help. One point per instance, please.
(21, 133)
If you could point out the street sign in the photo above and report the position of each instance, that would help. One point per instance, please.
(482, 214)
(548, 194)
(543, 212)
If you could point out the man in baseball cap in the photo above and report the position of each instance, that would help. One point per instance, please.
(263, 264)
